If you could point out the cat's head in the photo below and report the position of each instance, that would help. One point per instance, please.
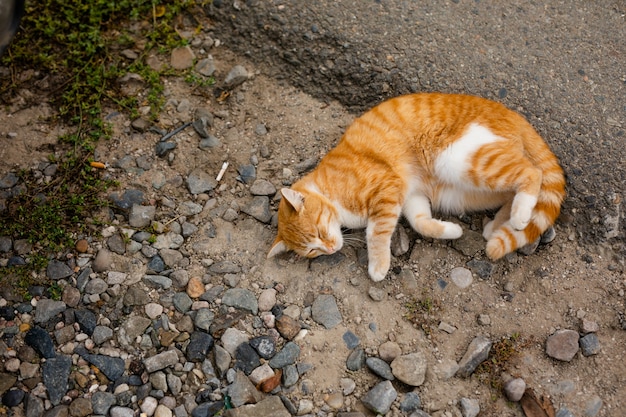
(307, 225)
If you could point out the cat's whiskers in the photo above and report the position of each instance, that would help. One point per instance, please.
(354, 240)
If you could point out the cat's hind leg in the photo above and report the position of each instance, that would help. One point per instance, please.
(417, 211)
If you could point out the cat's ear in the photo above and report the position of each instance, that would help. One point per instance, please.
(277, 248)
(294, 198)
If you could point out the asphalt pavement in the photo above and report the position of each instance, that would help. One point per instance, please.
(560, 63)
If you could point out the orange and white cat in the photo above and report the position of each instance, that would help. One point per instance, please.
(417, 153)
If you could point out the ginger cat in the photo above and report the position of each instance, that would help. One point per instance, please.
(421, 152)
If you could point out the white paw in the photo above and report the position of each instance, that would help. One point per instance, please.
(377, 272)
(488, 230)
(451, 231)
(520, 218)
(522, 210)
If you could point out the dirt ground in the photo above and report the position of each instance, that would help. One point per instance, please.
(533, 296)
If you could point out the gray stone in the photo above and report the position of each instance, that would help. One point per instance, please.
(483, 269)
(241, 298)
(380, 368)
(590, 344)
(56, 372)
(410, 369)
(262, 187)
(564, 412)
(290, 376)
(199, 181)
(325, 311)
(41, 342)
(157, 281)
(469, 407)
(171, 257)
(225, 267)
(287, 356)
(182, 302)
(141, 216)
(136, 297)
(5, 244)
(562, 345)
(241, 391)
(461, 277)
(410, 402)
(380, 398)
(399, 241)
(170, 240)
(111, 367)
(514, 389)
(209, 142)
(200, 343)
(96, 286)
(232, 338)
(174, 384)
(33, 406)
(135, 326)
(236, 76)
(116, 244)
(272, 406)
(189, 208)
(101, 334)
(118, 411)
(101, 402)
(203, 319)
(476, 353)
(356, 359)
(259, 208)
(205, 66)
(160, 361)
(87, 320)
(47, 309)
(58, 270)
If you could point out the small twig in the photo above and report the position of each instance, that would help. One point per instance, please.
(175, 131)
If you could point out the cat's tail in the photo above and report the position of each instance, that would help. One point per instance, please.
(505, 239)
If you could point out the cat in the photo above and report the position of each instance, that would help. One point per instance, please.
(416, 153)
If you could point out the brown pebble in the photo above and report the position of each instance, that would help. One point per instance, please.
(195, 287)
(82, 246)
(287, 327)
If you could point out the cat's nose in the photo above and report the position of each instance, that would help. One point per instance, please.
(330, 249)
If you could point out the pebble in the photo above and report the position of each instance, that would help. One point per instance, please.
(356, 359)
(469, 407)
(55, 374)
(476, 353)
(461, 277)
(589, 344)
(40, 340)
(58, 270)
(101, 402)
(236, 76)
(199, 181)
(287, 356)
(388, 351)
(160, 361)
(410, 369)
(325, 311)
(380, 398)
(562, 345)
(410, 402)
(263, 188)
(350, 339)
(241, 298)
(514, 389)
(182, 58)
(380, 368)
(259, 208)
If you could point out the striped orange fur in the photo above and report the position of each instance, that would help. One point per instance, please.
(417, 153)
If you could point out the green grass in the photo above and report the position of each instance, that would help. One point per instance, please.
(75, 45)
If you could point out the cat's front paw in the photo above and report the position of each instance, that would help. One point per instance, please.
(520, 219)
(378, 271)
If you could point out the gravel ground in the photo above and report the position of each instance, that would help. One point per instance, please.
(171, 307)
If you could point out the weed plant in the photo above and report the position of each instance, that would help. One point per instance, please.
(69, 50)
